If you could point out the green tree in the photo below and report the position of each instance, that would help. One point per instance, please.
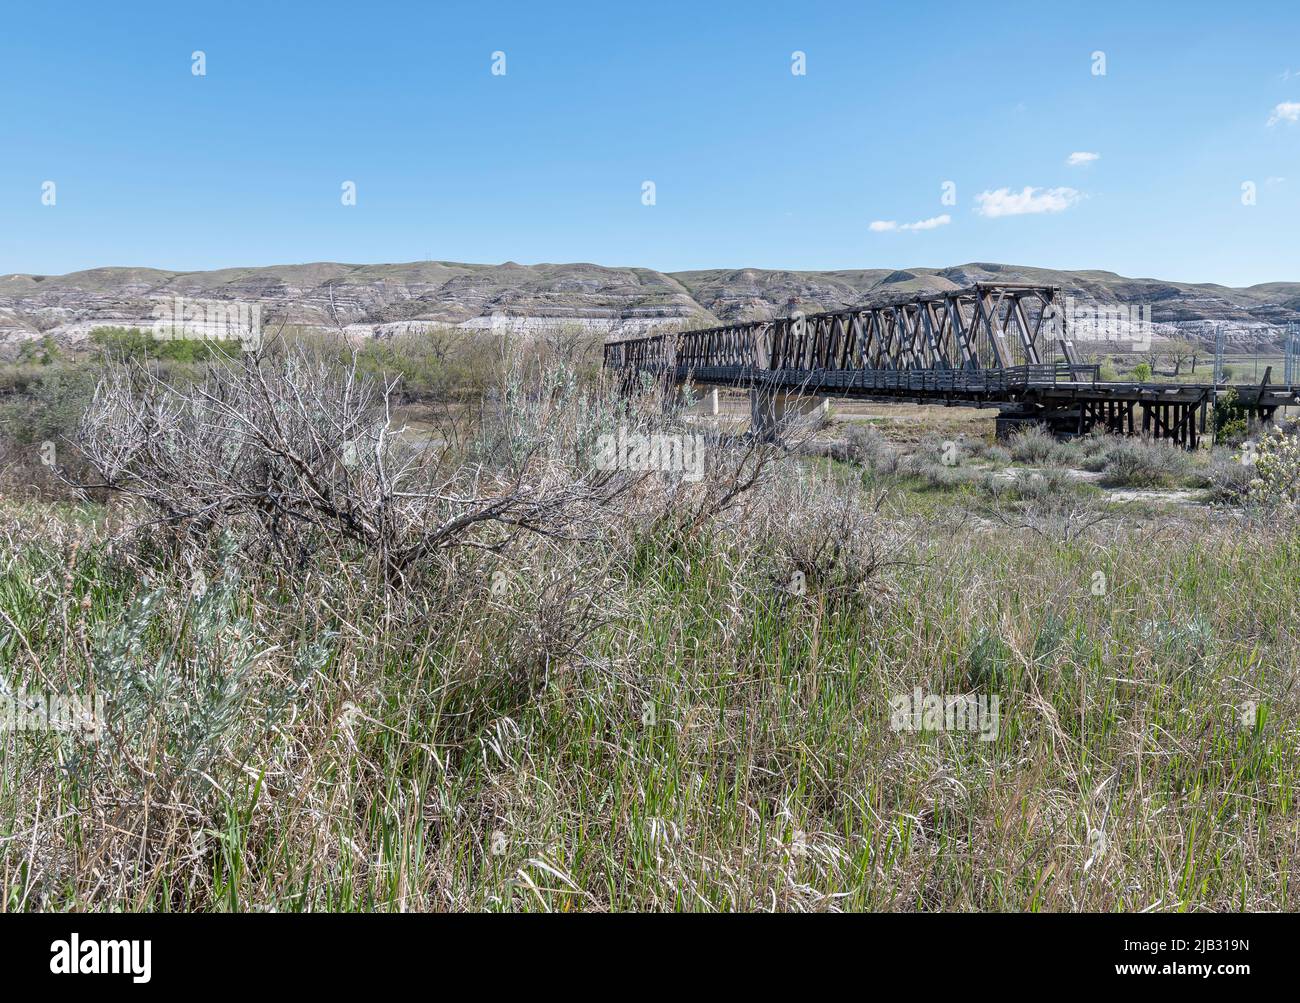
(1229, 418)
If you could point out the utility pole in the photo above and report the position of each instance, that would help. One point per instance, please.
(1292, 344)
(1286, 354)
(1291, 358)
(1218, 354)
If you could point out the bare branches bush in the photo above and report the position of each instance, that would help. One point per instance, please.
(299, 453)
(829, 537)
(1049, 504)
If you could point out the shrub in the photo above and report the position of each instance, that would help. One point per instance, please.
(48, 407)
(867, 446)
(1092, 450)
(1034, 485)
(939, 476)
(1227, 477)
(1048, 503)
(39, 351)
(1142, 372)
(1276, 480)
(299, 454)
(133, 344)
(441, 363)
(827, 538)
(295, 454)
(1146, 463)
(950, 451)
(1229, 417)
(999, 456)
(1035, 444)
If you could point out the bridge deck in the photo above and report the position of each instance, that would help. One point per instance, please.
(983, 387)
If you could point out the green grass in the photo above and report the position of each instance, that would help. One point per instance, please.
(1245, 368)
(712, 743)
(668, 712)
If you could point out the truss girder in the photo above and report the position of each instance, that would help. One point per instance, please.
(984, 326)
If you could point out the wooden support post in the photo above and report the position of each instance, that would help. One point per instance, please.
(1160, 420)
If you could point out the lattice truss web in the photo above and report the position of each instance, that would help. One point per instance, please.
(983, 327)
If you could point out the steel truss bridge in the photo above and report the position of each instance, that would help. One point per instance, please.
(1001, 345)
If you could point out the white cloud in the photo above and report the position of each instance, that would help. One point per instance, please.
(1005, 202)
(1287, 111)
(1075, 159)
(928, 224)
(886, 225)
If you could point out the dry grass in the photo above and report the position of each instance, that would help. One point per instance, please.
(661, 714)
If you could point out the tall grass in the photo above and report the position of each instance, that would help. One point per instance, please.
(662, 715)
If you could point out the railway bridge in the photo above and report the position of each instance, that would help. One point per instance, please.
(1002, 345)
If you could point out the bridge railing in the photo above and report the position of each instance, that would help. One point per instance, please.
(1063, 372)
(664, 355)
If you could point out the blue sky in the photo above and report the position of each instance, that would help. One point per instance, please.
(752, 164)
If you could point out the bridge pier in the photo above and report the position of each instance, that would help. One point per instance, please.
(706, 404)
(701, 400)
(774, 412)
(1181, 421)
(1008, 423)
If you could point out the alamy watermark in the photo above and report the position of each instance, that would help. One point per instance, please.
(669, 453)
(79, 715)
(1094, 321)
(180, 318)
(918, 711)
(75, 956)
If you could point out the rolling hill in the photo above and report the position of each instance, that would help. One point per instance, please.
(378, 299)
